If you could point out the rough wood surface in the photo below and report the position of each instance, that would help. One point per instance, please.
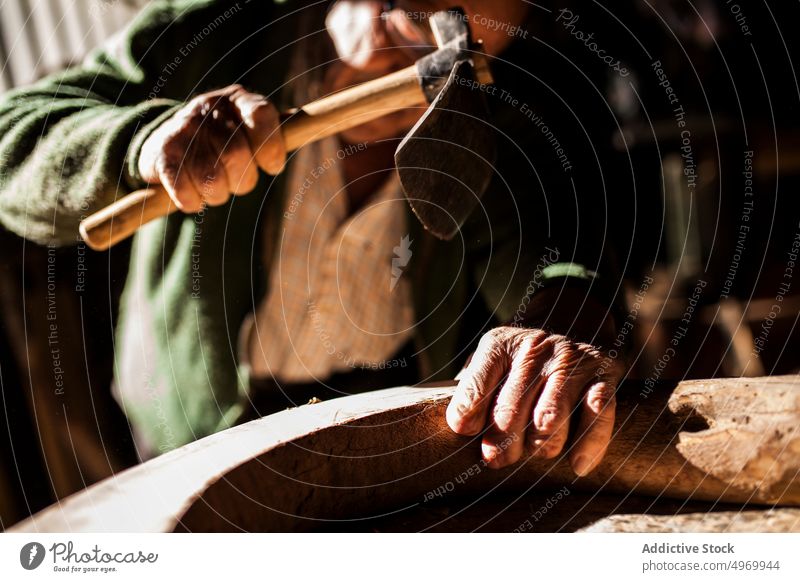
(782, 520)
(753, 440)
(337, 463)
(538, 511)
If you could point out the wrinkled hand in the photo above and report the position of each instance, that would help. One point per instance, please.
(212, 148)
(548, 376)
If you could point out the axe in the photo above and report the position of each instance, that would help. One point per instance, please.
(444, 163)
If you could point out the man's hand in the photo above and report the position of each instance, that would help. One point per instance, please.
(522, 385)
(212, 148)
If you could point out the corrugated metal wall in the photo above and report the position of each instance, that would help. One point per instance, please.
(38, 37)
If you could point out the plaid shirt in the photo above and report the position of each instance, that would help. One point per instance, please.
(337, 298)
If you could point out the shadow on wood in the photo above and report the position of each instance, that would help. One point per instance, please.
(366, 458)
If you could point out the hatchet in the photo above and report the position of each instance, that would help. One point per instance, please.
(444, 163)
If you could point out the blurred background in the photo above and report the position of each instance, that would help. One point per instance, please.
(56, 441)
(38, 37)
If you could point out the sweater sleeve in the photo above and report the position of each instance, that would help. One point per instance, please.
(69, 143)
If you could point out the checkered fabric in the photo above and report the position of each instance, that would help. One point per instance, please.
(337, 298)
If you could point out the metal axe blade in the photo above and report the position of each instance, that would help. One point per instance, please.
(446, 161)
(443, 183)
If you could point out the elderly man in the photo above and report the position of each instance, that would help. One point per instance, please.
(285, 278)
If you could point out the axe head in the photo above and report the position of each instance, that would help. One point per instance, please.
(447, 159)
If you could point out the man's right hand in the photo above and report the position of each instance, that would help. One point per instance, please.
(212, 147)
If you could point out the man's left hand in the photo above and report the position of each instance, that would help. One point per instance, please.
(522, 386)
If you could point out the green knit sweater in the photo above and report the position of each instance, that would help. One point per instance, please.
(69, 146)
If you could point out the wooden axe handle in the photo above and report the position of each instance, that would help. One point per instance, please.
(322, 118)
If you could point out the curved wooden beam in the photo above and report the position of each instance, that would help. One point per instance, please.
(333, 464)
(765, 521)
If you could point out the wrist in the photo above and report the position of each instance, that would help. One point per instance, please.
(159, 111)
(572, 310)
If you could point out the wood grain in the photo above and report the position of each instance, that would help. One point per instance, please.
(337, 463)
(782, 520)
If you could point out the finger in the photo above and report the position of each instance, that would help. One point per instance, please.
(595, 427)
(208, 174)
(237, 159)
(463, 371)
(262, 128)
(175, 177)
(504, 442)
(469, 407)
(551, 415)
(227, 137)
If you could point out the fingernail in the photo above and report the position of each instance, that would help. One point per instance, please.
(489, 453)
(247, 109)
(275, 168)
(453, 417)
(460, 422)
(582, 465)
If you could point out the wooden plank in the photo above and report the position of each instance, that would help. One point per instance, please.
(542, 510)
(332, 464)
(782, 520)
